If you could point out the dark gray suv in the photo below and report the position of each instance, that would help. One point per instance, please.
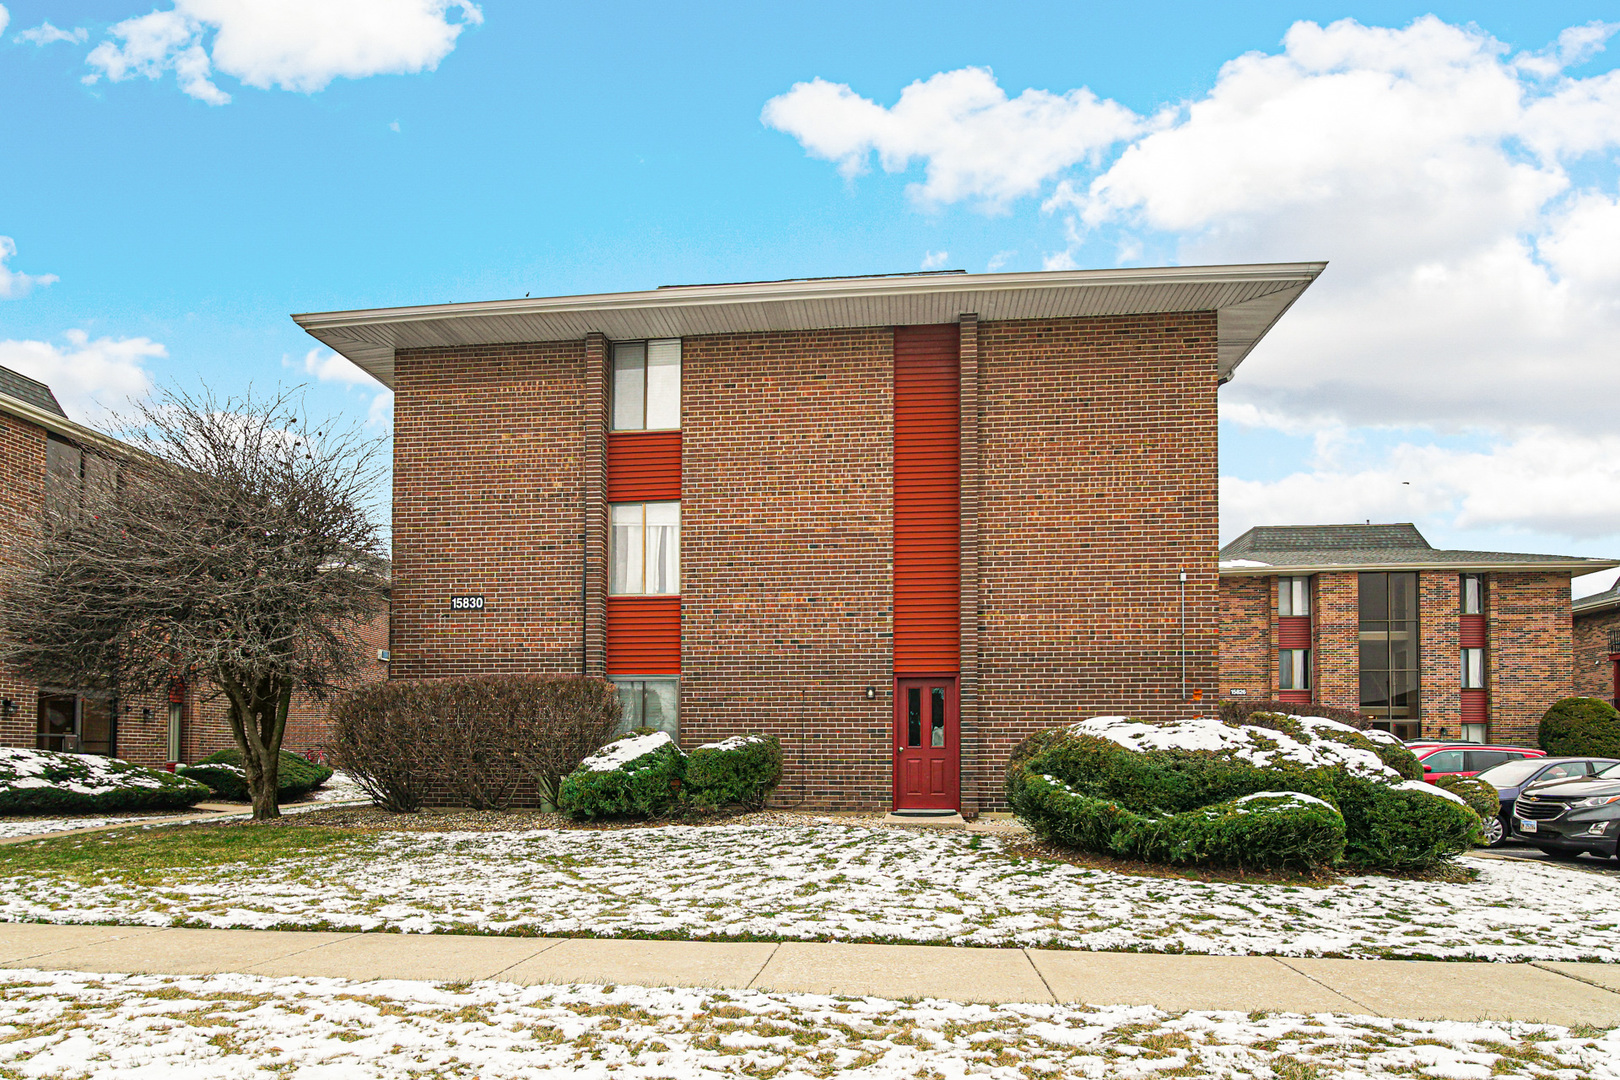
(1567, 817)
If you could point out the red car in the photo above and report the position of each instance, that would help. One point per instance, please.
(1466, 759)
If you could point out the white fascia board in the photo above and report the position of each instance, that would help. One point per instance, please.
(1248, 300)
(61, 425)
(1572, 566)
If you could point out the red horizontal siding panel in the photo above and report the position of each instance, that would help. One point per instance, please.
(1293, 632)
(1294, 697)
(927, 500)
(1471, 631)
(644, 466)
(644, 635)
(1475, 707)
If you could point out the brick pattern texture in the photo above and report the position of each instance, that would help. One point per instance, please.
(489, 443)
(1247, 659)
(22, 506)
(1440, 653)
(1594, 671)
(1530, 635)
(1098, 486)
(786, 553)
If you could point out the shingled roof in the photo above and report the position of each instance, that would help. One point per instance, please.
(1607, 600)
(17, 385)
(1280, 549)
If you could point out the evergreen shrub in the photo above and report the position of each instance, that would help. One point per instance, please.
(635, 776)
(1581, 727)
(740, 771)
(47, 782)
(224, 774)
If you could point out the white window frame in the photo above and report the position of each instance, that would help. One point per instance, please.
(1293, 596)
(618, 513)
(666, 349)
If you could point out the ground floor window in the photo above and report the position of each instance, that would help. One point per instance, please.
(1294, 669)
(177, 713)
(1474, 733)
(76, 723)
(649, 703)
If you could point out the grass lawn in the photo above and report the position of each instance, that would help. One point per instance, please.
(782, 882)
(227, 1026)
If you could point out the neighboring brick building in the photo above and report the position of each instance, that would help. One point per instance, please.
(1466, 645)
(48, 460)
(1597, 645)
(899, 522)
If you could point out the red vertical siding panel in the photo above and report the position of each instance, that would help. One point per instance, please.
(927, 500)
(644, 466)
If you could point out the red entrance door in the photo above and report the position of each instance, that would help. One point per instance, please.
(927, 745)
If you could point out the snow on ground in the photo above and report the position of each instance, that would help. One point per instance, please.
(340, 788)
(826, 882)
(227, 1026)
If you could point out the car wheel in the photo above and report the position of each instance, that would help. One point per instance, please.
(1496, 832)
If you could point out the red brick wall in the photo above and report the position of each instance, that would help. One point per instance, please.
(1440, 653)
(1337, 652)
(488, 446)
(307, 718)
(1594, 673)
(1098, 458)
(786, 530)
(1247, 660)
(22, 508)
(1530, 657)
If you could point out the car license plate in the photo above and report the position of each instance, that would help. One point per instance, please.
(1526, 826)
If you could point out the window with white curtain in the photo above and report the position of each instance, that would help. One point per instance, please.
(1473, 669)
(645, 549)
(1293, 596)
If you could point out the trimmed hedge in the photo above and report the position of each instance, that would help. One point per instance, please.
(224, 773)
(1163, 804)
(46, 782)
(1480, 795)
(1390, 749)
(740, 771)
(1580, 727)
(635, 776)
(483, 742)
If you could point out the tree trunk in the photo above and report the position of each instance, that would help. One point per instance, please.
(258, 718)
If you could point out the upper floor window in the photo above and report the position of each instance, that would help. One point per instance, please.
(1293, 596)
(1388, 616)
(647, 385)
(1473, 669)
(644, 550)
(1473, 594)
(75, 478)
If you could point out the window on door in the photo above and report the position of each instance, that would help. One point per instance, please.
(649, 703)
(645, 549)
(925, 716)
(647, 385)
(1472, 732)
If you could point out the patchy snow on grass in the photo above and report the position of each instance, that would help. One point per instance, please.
(339, 788)
(224, 1026)
(624, 751)
(1318, 742)
(825, 882)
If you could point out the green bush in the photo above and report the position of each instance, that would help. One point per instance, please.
(1277, 715)
(1480, 795)
(46, 782)
(1581, 727)
(1165, 803)
(1240, 711)
(224, 774)
(636, 776)
(741, 771)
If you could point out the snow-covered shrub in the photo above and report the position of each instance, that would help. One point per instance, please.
(46, 782)
(1265, 714)
(1123, 775)
(224, 773)
(1581, 727)
(740, 771)
(1480, 795)
(636, 776)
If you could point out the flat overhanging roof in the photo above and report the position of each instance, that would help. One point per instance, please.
(1248, 300)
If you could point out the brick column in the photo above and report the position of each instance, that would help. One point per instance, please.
(593, 482)
(968, 676)
(1440, 654)
(1336, 623)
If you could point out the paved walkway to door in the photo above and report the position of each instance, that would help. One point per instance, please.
(1551, 992)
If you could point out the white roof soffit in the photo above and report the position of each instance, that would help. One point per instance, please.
(1248, 300)
(1577, 567)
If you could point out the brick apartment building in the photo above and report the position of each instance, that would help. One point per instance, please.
(1597, 645)
(899, 522)
(1465, 645)
(48, 461)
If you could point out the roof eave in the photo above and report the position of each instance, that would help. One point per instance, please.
(61, 425)
(1574, 566)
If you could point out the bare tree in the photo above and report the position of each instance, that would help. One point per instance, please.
(236, 548)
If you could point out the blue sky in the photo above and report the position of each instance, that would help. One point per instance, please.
(1454, 366)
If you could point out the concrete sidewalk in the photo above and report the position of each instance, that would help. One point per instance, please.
(1555, 993)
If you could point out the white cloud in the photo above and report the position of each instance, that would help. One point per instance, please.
(5, 17)
(91, 378)
(998, 260)
(14, 284)
(1544, 480)
(381, 413)
(299, 45)
(976, 142)
(934, 260)
(46, 34)
(330, 367)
